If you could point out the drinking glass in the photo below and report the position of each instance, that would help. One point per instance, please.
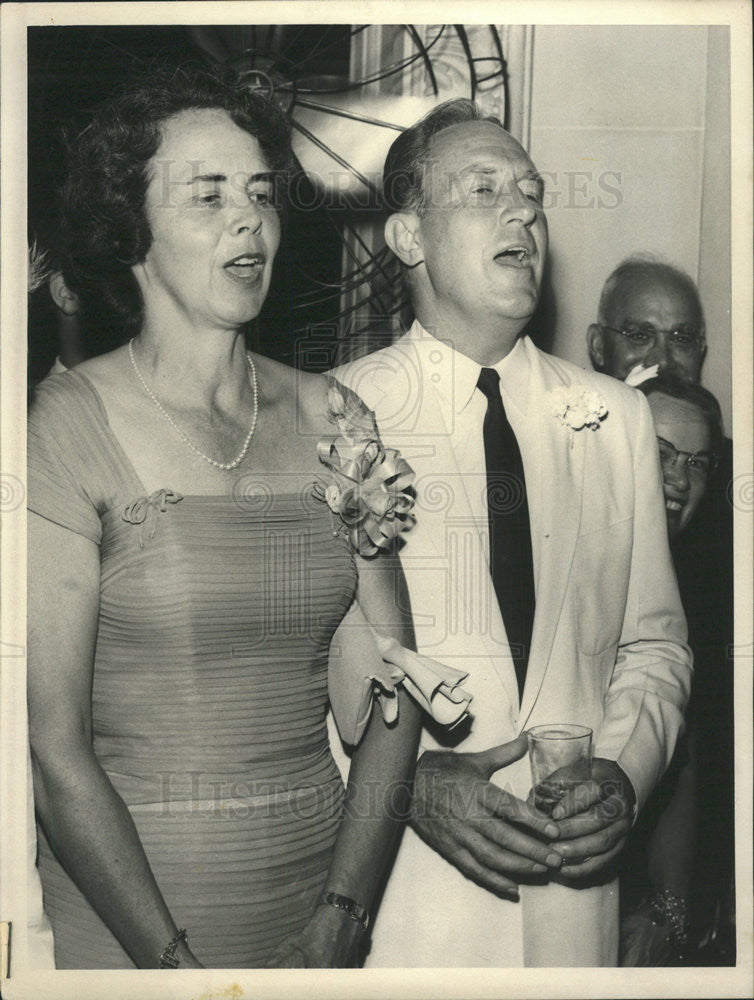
(561, 757)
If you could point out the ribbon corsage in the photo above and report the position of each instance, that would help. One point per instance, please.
(371, 486)
(365, 664)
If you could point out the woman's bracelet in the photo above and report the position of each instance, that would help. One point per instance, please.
(667, 909)
(168, 957)
(355, 911)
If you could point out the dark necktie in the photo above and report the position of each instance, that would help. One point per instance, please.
(511, 564)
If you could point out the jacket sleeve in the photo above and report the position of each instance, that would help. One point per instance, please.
(651, 681)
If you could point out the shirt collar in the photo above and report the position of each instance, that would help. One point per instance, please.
(454, 375)
(514, 371)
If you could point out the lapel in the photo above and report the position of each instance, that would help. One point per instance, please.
(422, 436)
(559, 474)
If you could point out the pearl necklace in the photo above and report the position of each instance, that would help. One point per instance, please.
(218, 465)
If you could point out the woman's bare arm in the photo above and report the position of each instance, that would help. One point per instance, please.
(84, 818)
(378, 791)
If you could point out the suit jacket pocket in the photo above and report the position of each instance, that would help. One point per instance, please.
(601, 572)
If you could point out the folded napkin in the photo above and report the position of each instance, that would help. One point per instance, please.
(365, 664)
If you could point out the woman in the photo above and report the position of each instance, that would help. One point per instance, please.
(688, 424)
(189, 565)
(691, 416)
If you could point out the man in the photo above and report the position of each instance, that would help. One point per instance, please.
(482, 878)
(650, 314)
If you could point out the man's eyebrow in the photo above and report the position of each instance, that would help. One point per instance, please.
(480, 168)
(266, 175)
(533, 175)
(681, 327)
(488, 168)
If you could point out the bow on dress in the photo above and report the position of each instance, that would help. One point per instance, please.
(144, 511)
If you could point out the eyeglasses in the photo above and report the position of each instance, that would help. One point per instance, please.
(698, 464)
(646, 336)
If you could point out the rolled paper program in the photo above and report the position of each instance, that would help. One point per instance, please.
(639, 374)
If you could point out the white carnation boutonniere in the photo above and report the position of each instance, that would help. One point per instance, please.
(577, 407)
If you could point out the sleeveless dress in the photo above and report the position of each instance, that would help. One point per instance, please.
(209, 693)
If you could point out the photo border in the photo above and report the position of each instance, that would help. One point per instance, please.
(367, 983)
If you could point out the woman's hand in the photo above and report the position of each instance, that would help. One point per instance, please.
(331, 940)
(643, 943)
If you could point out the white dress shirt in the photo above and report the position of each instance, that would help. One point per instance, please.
(463, 406)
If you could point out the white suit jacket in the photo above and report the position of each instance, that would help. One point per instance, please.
(608, 646)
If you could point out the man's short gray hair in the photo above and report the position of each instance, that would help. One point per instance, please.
(644, 266)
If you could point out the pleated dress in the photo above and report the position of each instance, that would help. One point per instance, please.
(209, 691)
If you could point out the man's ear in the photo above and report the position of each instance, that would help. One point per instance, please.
(596, 346)
(66, 300)
(403, 236)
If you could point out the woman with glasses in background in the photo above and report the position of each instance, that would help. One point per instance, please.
(659, 871)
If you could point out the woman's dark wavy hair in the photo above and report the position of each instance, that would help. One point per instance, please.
(103, 228)
(695, 394)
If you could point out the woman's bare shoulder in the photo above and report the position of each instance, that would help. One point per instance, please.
(301, 392)
(106, 370)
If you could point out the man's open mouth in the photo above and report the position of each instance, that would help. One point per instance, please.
(515, 256)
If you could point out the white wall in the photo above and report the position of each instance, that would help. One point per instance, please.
(630, 126)
(714, 249)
